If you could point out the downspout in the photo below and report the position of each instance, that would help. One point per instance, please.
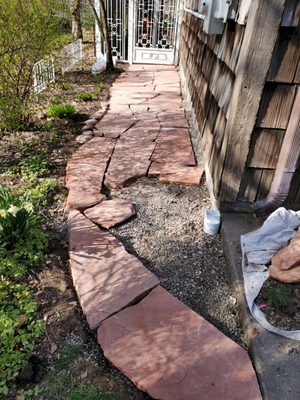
(286, 165)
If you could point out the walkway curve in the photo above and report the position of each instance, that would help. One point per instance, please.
(165, 348)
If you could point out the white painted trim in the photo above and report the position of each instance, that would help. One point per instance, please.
(131, 29)
(195, 13)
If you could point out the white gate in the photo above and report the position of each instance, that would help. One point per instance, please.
(117, 17)
(155, 26)
(141, 31)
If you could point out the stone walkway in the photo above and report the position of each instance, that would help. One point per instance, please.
(165, 348)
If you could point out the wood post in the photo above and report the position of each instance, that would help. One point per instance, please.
(251, 72)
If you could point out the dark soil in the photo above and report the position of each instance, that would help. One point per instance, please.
(287, 316)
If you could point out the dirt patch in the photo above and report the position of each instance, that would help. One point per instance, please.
(281, 304)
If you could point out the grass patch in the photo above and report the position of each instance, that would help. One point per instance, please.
(66, 356)
(84, 96)
(279, 298)
(61, 110)
(83, 391)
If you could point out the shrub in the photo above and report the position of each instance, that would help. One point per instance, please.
(22, 240)
(18, 329)
(27, 26)
(61, 110)
(84, 96)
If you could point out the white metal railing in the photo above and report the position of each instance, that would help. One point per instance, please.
(43, 74)
(71, 54)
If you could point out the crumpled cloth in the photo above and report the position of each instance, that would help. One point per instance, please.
(258, 247)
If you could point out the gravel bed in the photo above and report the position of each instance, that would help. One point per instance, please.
(168, 238)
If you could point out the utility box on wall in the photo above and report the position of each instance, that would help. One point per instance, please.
(214, 14)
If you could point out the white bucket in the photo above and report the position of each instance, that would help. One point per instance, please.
(212, 219)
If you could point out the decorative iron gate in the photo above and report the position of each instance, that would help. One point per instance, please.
(155, 31)
(142, 30)
(117, 15)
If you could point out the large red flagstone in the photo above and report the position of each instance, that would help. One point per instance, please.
(181, 174)
(111, 212)
(173, 119)
(130, 161)
(172, 353)
(85, 173)
(105, 276)
(174, 146)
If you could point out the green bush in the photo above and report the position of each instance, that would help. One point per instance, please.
(18, 329)
(28, 24)
(61, 110)
(22, 241)
(84, 96)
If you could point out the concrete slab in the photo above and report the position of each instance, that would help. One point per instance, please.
(275, 358)
(173, 353)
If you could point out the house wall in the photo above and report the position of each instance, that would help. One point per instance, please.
(208, 65)
(274, 112)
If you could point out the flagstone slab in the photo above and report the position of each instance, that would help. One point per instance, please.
(181, 174)
(172, 353)
(105, 276)
(155, 169)
(174, 147)
(114, 125)
(130, 160)
(111, 212)
(173, 120)
(85, 173)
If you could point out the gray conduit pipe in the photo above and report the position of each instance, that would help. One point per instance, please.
(286, 165)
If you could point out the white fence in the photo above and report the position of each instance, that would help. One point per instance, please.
(43, 74)
(71, 54)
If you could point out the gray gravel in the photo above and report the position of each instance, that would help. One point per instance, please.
(167, 236)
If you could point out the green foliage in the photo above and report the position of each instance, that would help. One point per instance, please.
(18, 329)
(62, 85)
(84, 96)
(279, 298)
(30, 29)
(25, 394)
(83, 391)
(61, 110)
(22, 242)
(39, 193)
(100, 88)
(66, 355)
(34, 166)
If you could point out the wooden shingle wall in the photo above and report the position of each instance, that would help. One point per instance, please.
(274, 112)
(209, 63)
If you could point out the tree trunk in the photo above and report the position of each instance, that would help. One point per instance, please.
(76, 20)
(104, 29)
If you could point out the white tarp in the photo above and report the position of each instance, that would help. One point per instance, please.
(258, 247)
